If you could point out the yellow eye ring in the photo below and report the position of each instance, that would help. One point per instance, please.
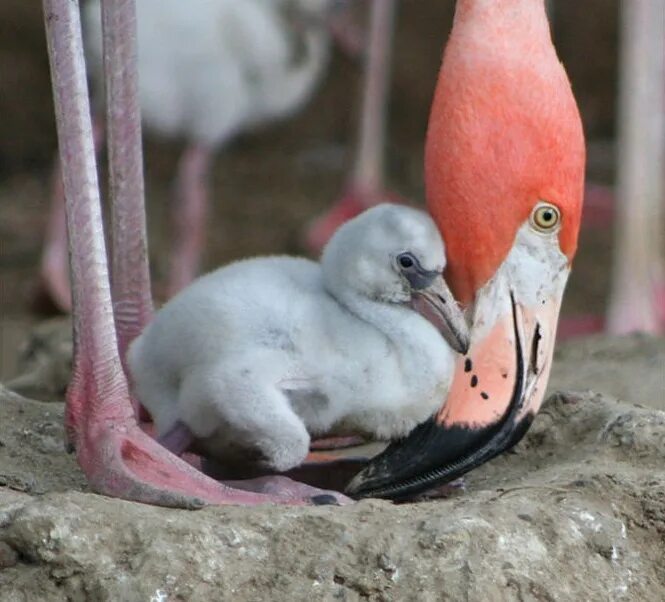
(545, 217)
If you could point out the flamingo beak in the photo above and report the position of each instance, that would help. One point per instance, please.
(435, 302)
(497, 389)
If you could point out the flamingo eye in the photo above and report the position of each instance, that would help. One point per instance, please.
(545, 217)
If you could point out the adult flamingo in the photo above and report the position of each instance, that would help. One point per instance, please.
(637, 298)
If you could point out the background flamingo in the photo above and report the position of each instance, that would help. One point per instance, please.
(205, 79)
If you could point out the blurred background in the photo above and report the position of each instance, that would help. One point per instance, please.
(269, 184)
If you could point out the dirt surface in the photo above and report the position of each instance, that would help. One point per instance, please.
(627, 368)
(582, 496)
(575, 512)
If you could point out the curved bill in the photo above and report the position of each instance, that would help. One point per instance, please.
(497, 390)
(435, 302)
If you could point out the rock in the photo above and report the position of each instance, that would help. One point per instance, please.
(45, 361)
(575, 512)
(8, 556)
(32, 447)
(631, 368)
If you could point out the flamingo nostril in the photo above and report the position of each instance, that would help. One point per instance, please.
(535, 343)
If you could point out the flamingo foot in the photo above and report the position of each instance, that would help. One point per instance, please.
(318, 471)
(277, 485)
(328, 473)
(578, 326)
(120, 460)
(635, 312)
(354, 202)
(632, 316)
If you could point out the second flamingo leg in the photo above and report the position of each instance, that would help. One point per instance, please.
(367, 186)
(189, 216)
(54, 266)
(639, 270)
(637, 299)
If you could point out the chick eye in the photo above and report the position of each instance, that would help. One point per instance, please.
(406, 260)
(545, 217)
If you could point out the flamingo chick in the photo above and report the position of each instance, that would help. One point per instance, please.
(260, 354)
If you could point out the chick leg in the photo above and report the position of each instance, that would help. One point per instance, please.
(242, 426)
(233, 412)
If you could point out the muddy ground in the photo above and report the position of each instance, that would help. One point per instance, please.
(576, 512)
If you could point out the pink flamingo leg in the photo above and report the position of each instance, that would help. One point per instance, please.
(366, 187)
(639, 271)
(116, 456)
(189, 216)
(344, 29)
(599, 204)
(637, 299)
(54, 268)
(330, 443)
(578, 326)
(130, 272)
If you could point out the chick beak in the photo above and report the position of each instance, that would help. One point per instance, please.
(433, 300)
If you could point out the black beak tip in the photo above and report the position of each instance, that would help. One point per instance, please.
(464, 342)
(356, 488)
(431, 456)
